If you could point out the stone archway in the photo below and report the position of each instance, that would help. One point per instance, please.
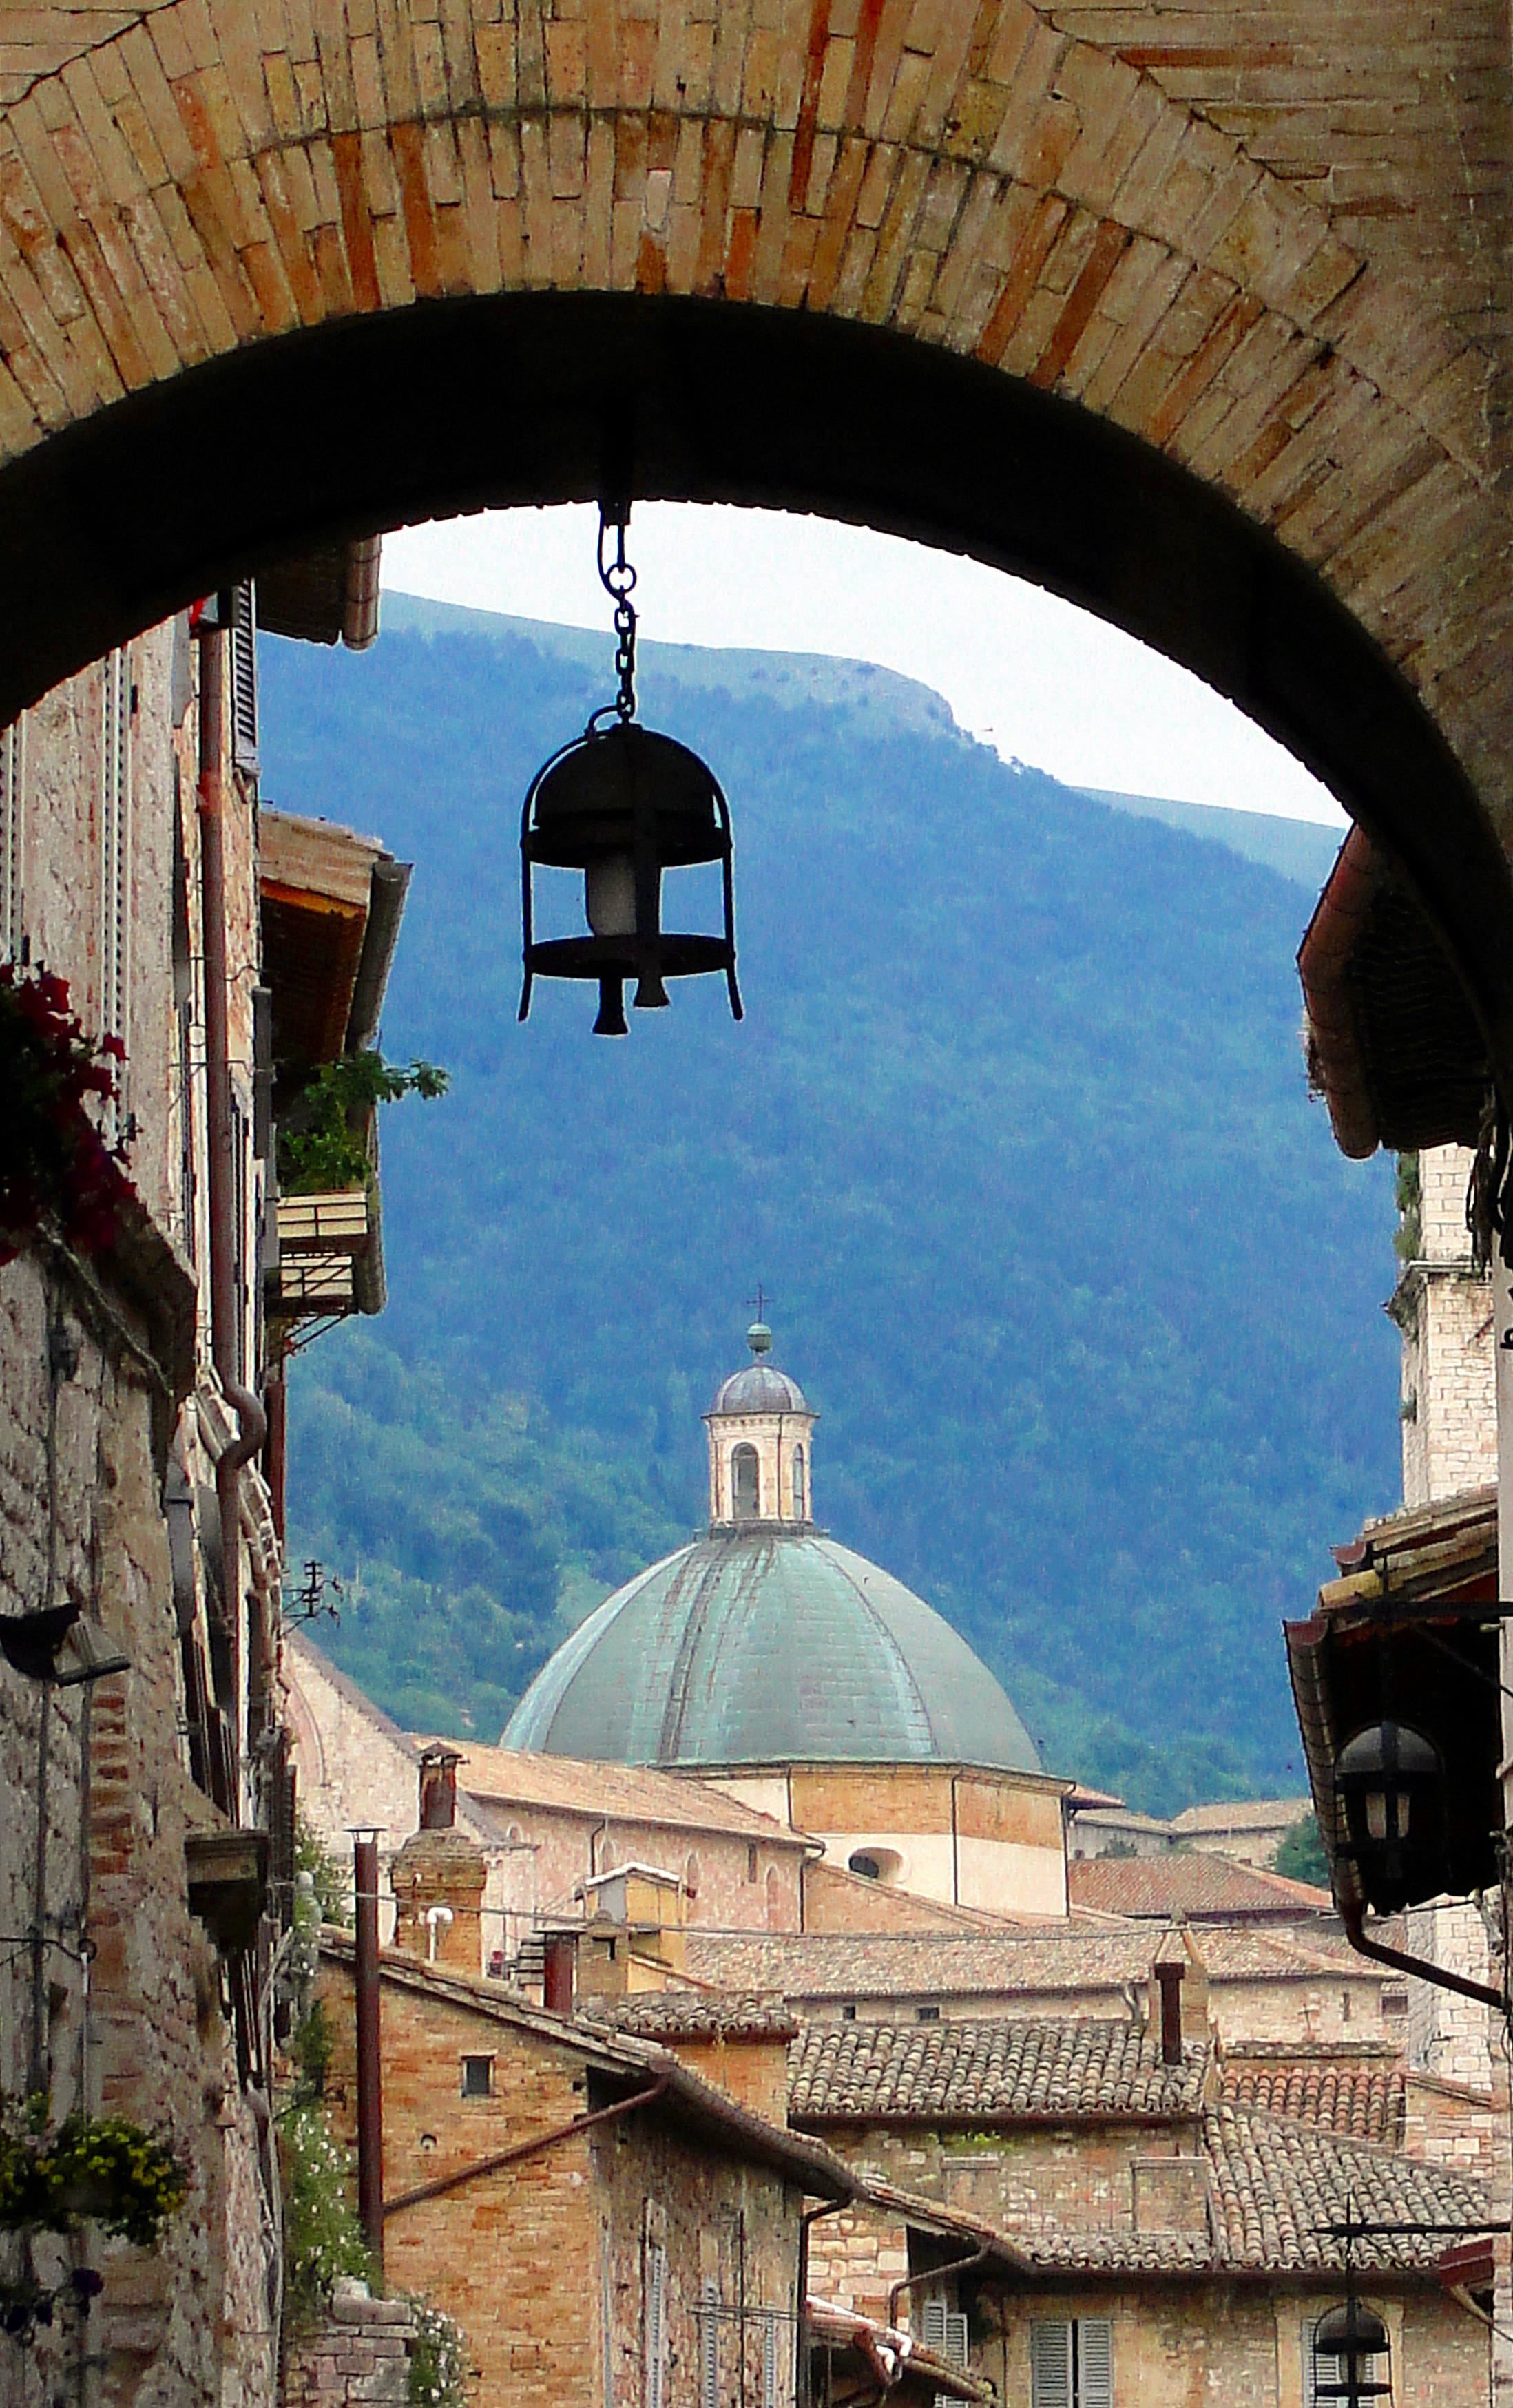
(1182, 316)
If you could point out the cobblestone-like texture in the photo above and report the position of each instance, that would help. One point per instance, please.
(359, 2358)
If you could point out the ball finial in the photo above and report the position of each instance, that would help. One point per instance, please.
(759, 1338)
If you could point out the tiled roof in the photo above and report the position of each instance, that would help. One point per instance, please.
(1001, 2070)
(1359, 2095)
(815, 1966)
(1186, 1884)
(1243, 1815)
(499, 1778)
(695, 2014)
(1275, 2183)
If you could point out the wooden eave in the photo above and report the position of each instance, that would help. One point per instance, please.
(316, 882)
(1399, 1634)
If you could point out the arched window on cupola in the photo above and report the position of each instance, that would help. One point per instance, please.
(798, 1484)
(745, 1484)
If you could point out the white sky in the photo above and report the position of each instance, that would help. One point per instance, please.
(1043, 681)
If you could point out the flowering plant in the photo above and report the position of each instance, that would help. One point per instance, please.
(438, 2359)
(322, 2236)
(54, 1165)
(52, 2178)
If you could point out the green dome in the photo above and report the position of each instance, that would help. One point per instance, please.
(764, 1647)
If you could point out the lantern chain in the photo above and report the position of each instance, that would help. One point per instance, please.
(618, 579)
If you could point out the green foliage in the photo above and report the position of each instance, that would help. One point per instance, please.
(438, 2359)
(312, 1856)
(1408, 1241)
(312, 2044)
(322, 1143)
(103, 2170)
(1300, 1856)
(322, 2236)
(1015, 1128)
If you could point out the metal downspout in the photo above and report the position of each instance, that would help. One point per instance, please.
(934, 2274)
(226, 1326)
(370, 2044)
(1421, 1966)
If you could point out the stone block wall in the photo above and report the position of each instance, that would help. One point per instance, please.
(1448, 2035)
(1450, 1408)
(358, 2358)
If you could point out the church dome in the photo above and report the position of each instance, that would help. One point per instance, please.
(769, 1645)
(760, 1388)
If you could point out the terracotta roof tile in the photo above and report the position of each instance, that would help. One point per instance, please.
(694, 2015)
(1243, 1815)
(1275, 2183)
(500, 1777)
(1361, 2097)
(821, 1966)
(998, 2071)
(1192, 1884)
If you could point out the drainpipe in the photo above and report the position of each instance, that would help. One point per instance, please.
(370, 2055)
(934, 2274)
(225, 1321)
(1421, 1966)
(800, 2373)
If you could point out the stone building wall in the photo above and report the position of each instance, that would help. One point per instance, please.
(358, 2358)
(1444, 1309)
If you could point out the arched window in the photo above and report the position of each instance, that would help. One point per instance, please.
(745, 1481)
(691, 1873)
(798, 1484)
(775, 1899)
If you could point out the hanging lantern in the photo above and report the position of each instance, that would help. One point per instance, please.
(1351, 2355)
(623, 803)
(1390, 1787)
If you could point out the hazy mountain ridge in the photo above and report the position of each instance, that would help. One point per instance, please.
(1015, 1128)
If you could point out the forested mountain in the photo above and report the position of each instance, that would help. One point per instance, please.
(1014, 1132)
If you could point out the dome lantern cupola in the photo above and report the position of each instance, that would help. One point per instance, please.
(760, 1427)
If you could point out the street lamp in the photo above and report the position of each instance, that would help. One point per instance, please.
(1350, 2344)
(623, 803)
(1390, 1786)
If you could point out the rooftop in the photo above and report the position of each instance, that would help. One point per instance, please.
(1357, 2093)
(695, 2015)
(1003, 2071)
(1243, 1815)
(1199, 1886)
(499, 1778)
(817, 1966)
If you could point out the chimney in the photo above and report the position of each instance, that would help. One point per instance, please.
(439, 1875)
(1170, 1978)
(438, 1788)
(559, 1971)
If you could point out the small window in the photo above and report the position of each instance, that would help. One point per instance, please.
(1394, 2002)
(691, 1873)
(751, 1864)
(798, 1484)
(848, 2010)
(1330, 2369)
(942, 2329)
(477, 2077)
(930, 2014)
(867, 1866)
(745, 1482)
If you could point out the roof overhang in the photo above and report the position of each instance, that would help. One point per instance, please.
(327, 594)
(1393, 1045)
(332, 904)
(1411, 1630)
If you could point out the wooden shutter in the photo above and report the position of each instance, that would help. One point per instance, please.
(115, 867)
(1050, 2366)
(606, 2312)
(709, 2344)
(932, 2325)
(244, 754)
(1095, 2363)
(770, 2359)
(12, 835)
(656, 2324)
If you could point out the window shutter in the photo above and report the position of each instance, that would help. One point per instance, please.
(244, 681)
(12, 831)
(1050, 2366)
(1095, 2363)
(656, 2307)
(932, 2325)
(956, 2338)
(770, 2360)
(606, 2312)
(115, 866)
(710, 2346)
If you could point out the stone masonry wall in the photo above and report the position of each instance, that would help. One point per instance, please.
(1449, 1411)
(359, 2358)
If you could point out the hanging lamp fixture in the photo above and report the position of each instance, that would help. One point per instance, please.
(622, 805)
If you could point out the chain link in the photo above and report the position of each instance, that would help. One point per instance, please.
(618, 579)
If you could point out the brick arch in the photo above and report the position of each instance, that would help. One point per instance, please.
(273, 268)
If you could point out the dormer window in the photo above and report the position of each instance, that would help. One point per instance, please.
(745, 1481)
(798, 1484)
